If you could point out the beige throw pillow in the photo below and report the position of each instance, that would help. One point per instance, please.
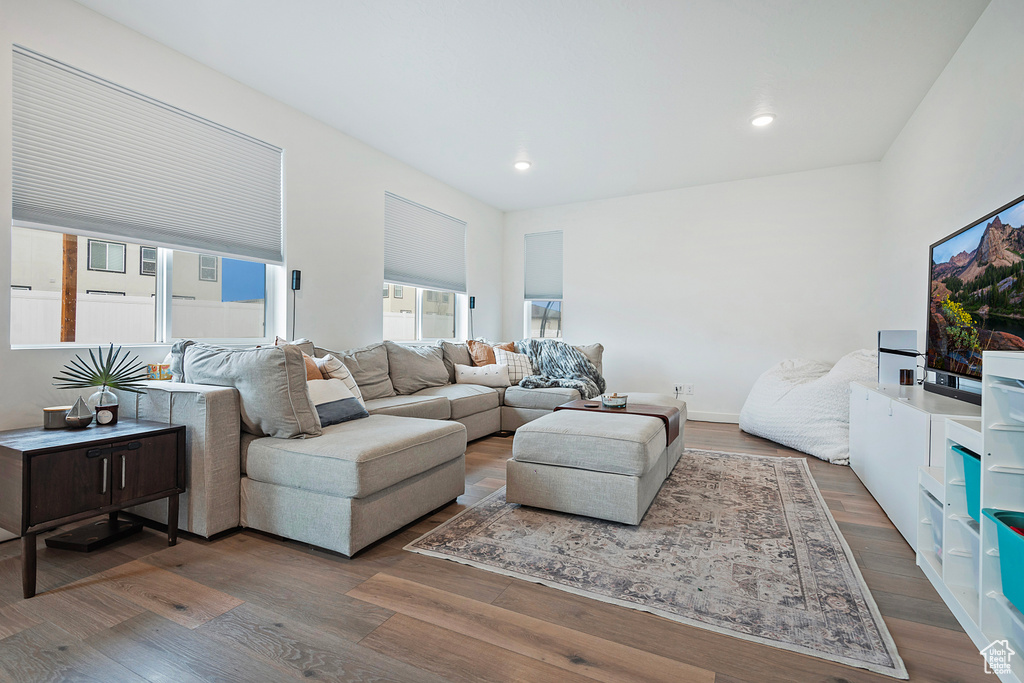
(332, 368)
(519, 365)
(492, 375)
(271, 384)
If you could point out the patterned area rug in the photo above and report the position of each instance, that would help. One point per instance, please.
(738, 544)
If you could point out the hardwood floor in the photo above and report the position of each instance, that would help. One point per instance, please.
(250, 607)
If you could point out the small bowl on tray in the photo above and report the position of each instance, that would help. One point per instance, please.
(613, 400)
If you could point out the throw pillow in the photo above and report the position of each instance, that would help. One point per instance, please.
(506, 346)
(369, 368)
(304, 345)
(452, 354)
(271, 384)
(519, 365)
(481, 352)
(593, 352)
(492, 375)
(332, 368)
(335, 403)
(178, 358)
(312, 370)
(415, 367)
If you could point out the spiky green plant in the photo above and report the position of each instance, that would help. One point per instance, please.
(112, 370)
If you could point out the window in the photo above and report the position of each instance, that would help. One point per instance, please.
(386, 291)
(147, 261)
(542, 285)
(106, 256)
(102, 305)
(233, 306)
(399, 292)
(544, 319)
(208, 268)
(424, 314)
(79, 216)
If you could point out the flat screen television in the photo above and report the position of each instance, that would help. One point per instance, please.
(975, 299)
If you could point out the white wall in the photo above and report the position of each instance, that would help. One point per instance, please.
(960, 157)
(334, 192)
(712, 285)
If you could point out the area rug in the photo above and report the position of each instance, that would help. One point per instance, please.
(738, 544)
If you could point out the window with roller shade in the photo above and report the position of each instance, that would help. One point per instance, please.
(93, 159)
(424, 271)
(542, 285)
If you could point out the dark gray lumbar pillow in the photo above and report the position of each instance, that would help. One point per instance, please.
(335, 403)
(271, 384)
(415, 367)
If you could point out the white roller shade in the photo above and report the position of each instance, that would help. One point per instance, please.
(542, 260)
(93, 157)
(422, 247)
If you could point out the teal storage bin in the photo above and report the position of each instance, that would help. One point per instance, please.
(972, 480)
(1011, 553)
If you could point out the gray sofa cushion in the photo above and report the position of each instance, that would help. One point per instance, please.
(426, 407)
(618, 444)
(415, 367)
(358, 458)
(271, 383)
(454, 354)
(369, 368)
(465, 399)
(546, 399)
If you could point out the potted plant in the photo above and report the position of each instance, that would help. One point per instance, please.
(106, 370)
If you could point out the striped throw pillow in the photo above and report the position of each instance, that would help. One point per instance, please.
(332, 368)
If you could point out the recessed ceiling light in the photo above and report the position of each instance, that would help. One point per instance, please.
(762, 119)
(522, 165)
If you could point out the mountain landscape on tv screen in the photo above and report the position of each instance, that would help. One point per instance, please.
(977, 294)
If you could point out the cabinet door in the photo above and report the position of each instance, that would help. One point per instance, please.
(144, 467)
(66, 483)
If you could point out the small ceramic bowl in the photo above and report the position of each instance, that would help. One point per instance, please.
(616, 401)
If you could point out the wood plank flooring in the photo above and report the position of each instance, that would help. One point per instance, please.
(250, 607)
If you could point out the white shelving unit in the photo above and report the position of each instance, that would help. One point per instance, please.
(964, 566)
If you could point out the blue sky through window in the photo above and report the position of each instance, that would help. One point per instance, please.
(242, 280)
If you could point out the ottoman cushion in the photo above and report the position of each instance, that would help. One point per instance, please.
(545, 399)
(617, 444)
(355, 459)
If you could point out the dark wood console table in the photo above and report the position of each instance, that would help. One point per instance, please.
(49, 478)
(667, 414)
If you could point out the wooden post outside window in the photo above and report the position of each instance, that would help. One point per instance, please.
(69, 290)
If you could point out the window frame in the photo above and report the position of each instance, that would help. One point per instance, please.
(90, 242)
(273, 305)
(143, 260)
(527, 318)
(461, 323)
(215, 267)
(105, 292)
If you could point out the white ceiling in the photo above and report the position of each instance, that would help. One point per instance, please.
(605, 97)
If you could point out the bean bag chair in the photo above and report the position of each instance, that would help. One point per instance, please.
(805, 404)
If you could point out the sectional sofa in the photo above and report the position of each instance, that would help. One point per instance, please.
(356, 482)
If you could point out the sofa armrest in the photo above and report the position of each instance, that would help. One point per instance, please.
(212, 420)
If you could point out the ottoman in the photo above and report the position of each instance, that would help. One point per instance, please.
(593, 464)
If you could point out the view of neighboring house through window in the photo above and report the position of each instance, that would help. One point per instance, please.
(411, 313)
(544, 319)
(109, 304)
(231, 306)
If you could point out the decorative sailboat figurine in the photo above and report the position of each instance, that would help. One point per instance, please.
(80, 415)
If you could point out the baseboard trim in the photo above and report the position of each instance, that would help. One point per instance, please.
(698, 416)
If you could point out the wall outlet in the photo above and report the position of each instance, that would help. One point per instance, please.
(685, 389)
